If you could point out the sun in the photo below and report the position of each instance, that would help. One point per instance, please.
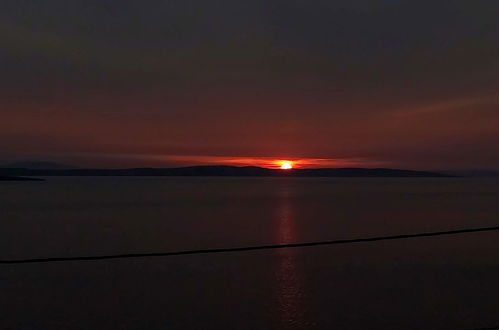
(286, 165)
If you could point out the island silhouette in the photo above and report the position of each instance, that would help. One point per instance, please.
(17, 178)
(221, 171)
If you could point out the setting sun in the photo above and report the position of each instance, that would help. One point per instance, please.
(286, 165)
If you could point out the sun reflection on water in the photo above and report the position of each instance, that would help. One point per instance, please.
(289, 290)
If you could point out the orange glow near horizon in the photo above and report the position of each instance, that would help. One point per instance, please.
(286, 164)
(266, 162)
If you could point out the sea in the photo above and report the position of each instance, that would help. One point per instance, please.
(441, 282)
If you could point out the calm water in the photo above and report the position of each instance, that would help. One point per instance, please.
(427, 283)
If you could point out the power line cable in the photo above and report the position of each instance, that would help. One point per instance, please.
(250, 248)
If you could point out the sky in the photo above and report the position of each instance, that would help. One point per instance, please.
(354, 83)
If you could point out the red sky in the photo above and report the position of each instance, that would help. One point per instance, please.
(166, 83)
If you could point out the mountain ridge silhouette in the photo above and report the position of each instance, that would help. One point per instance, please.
(223, 170)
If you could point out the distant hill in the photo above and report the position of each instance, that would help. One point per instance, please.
(39, 165)
(246, 171)
(16, 178)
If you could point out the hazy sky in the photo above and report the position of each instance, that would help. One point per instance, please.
(394, 83)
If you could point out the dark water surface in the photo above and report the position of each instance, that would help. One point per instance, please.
(424, 283)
